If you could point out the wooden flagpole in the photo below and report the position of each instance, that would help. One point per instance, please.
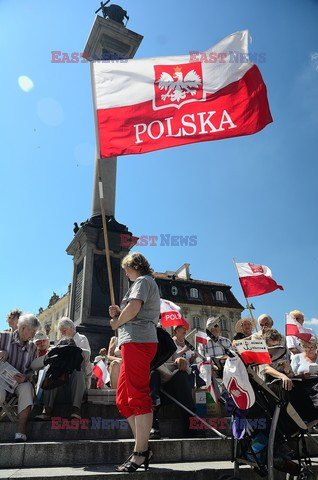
(247, 304)
(107, 253)
(101, 194)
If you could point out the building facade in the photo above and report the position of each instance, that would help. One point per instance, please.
(200, 300)
(57, 308)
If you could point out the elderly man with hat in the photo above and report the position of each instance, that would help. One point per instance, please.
(42, 342)
(244, 328)
(216, 345)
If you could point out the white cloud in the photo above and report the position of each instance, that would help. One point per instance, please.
(305, 93)
(25, 83)
(313, 321)
(314, 60)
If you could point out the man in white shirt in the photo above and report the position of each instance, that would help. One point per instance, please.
(79, 381)
(67, 329)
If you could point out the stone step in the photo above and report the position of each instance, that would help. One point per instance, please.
(157, 471)
(92, 428)
(94, 452)
(98, 422)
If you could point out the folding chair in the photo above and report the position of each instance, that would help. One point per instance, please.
(10, 408)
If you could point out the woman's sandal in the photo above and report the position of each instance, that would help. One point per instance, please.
(130, 466)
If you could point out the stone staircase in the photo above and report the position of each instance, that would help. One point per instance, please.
(88, 453)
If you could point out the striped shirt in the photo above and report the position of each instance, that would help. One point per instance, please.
(215, 349)
(21, 354)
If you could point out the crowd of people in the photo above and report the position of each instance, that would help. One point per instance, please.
(44, 371)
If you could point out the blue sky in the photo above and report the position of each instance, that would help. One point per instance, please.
(252, 198)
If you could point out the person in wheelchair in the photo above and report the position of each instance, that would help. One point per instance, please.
(290, 388)
(281, 411)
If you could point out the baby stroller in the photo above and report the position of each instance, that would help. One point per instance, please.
(274, 437)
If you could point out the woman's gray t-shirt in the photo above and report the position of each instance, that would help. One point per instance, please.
(142, 328)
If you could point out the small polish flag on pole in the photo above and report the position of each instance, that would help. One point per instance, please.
(297, 330)
(100, 371)
(201, 337)
(170, 315)
(256, 279)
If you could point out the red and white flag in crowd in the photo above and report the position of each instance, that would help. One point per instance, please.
(256, 279)
(201, 337)
(297, 330)
(237, 383)
(170, 315)
(100, 371)
(253, 351)
(154, 103)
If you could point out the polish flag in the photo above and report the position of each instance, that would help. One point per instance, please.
(297, 330)
(149, 104)
(256, 279)
(170, 315)
(100, 371)
(253, 351)
(201, 337)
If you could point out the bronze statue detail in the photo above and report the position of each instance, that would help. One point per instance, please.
(114, 12)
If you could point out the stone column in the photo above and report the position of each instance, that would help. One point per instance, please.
(90, 296)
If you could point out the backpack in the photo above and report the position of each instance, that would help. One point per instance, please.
(63, 360)
(166, 348)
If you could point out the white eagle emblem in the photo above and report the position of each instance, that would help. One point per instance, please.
(178, 87)
(236, 393)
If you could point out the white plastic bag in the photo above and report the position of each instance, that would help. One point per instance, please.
(236, 382)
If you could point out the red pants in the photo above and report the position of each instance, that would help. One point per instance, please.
(133, 392)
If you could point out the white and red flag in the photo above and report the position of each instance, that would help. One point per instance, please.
(297, 330)
(256, 279)
(237, 383)
(101, 373)
(253, 351)
(201, 337)
(170, 315)
(149, 104)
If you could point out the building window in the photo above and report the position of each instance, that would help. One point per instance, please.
(174, 290)
(194, 293)
(196, 322)
(219, 296)
(224, 324)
